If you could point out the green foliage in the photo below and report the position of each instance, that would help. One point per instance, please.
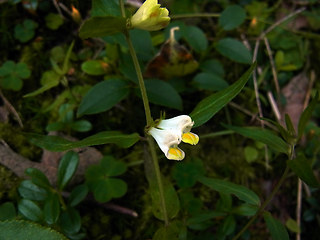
(25, 31)
(277, 230)
(95, 67)
(67, 167)
(264, 136)
(14, 229)
(234, 50)
(232, 17)
(30, 210)
(101, 181)
(12, 74)
(67, 122)
(53, 21)
(209, 106)
(77, 81)
(103, 96)
(302, 168)
(7, 211)
(239, 191)
(156, 88)
(187, 174)
(210, 81)
(102, 26)
(56, 143)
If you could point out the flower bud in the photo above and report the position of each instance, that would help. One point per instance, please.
(150, 16)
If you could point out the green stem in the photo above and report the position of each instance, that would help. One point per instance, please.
(148, 118)
(138, 71)
(159, 180)
(141, 81)
(263, 206)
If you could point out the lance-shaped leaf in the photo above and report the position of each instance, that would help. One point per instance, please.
(67, 167)
(277, 230)
(209, 106)
(306, 115)
(239, 191)
(302, 168)
(59, 144)
(262, 135)
(102, 26)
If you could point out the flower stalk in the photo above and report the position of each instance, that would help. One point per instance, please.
(148, 118)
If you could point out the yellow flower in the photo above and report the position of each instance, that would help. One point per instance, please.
(170, 132)
(150, 16)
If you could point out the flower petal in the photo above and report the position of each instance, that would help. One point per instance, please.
(190, 138)
(175, 153)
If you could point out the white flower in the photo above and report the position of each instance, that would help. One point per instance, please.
(170, 132)
(150, 16)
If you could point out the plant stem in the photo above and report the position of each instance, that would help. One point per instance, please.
(148, 118)
(159, 180)
(263, 206)
(141, 81)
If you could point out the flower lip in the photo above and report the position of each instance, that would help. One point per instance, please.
(169, 133)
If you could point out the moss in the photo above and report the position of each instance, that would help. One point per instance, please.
(18, 142)
(9, 183)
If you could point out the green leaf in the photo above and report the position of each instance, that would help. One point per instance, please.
(51, 209)
(78, 194)
(45, 87)
(7, 212)
(186, 174)
(213, 66)
(277, 230)
(302, 168)
(105, 189)
(195, 37)
(290, 127)
(163, 94)
(209, 106)
(262, 135)
(81, 126)
(100, 181)
(204, 217)
(229, 225)
(95, 67)
(19, 229)
(245, 210)
(67, 167)
(11, 75)
(112, 167)
(103, 8)
(234, 50)
(171, 201)
(30, 210)
(25, 31)
(174, 231)
(70, 221)
(306, 115)
(210, 81)
(31, 191)
(239, 191)
(103, 96)
(53, 21)
(293, 226)
(102, 26)
(59, 144)
(38, 177)
(251, 154)
(232, 17)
